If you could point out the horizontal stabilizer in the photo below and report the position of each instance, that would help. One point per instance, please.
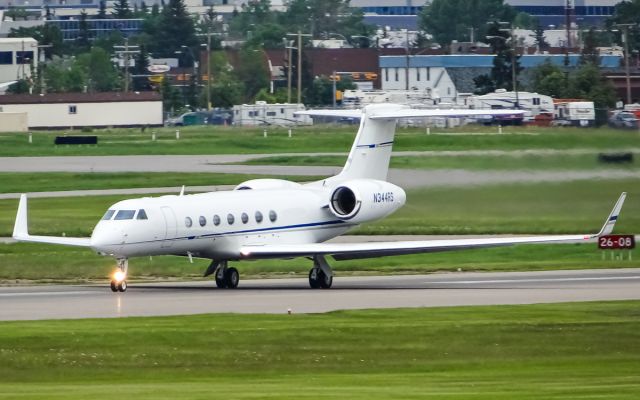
(332, 113)
(21, 230)
(394, 111)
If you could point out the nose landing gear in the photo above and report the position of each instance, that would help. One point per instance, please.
(119, 282)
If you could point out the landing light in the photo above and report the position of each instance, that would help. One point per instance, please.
(118, 276)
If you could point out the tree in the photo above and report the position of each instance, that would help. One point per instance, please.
(171, 99)
(83, 42)
(175, 28)
(47, 34)
(627, 12)
(102, 10)
(590, 53)
(550, 79)
(449, 20)
(100, 71)
(252, 71)
(501, 76)
(122, 10)
(539, 39)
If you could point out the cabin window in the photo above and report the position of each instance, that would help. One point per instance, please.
(108, 215)
(125, 214)
(141, 214)
(202, 221)
(230, 219)
(216, 220)
(244, 217)
(258, 216)
(188, 222)
(273, 216)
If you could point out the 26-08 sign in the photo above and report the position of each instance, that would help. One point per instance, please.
(616, 242)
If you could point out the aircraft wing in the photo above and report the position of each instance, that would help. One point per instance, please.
(21, 230)
(4, 85)
(349, 251)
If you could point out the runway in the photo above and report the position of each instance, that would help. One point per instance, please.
(279, 295)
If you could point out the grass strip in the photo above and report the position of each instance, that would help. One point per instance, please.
(576, 350)
(232, 140)
(474, 162)
(19, 182)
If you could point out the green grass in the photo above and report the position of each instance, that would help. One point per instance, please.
(231, 140)
(18, 182)
(536, 208)
(49, 263)
(473, 162)
(555, 351)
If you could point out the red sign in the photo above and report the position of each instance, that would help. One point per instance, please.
(616, 242)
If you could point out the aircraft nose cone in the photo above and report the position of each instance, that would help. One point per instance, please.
(106, 240)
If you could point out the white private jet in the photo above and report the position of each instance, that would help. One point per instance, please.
(273, 218)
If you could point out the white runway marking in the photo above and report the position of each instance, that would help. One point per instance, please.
(19, 294)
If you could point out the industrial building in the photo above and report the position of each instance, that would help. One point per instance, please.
(78, 110)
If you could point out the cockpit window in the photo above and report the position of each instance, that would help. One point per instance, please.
(108, 215)
(142, 214)
(125, 214)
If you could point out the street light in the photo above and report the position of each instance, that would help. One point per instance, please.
(299, 35)
(625, 40)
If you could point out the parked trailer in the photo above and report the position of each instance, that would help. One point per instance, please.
(575, 112)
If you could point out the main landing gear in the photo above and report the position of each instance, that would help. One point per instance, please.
(226, 277)
(119, 282)
(321, 275)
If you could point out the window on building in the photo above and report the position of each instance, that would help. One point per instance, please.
(216, 220)
(397, 75)
(231, 219)
(188, 222)
(202, 221)
(73, 109)
(271, 113)
(282, 111)
(86, 1)
(24, 57)
(6, 57)
(141, 214)
(428, 73)
(417, 74)
(386, 74)
(258, 216)
(536, 101)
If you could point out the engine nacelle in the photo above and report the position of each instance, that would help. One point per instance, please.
(257, 184)
(364, 200)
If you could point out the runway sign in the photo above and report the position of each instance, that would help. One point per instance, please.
(616, 242)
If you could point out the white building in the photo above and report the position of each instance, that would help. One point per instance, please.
(77, 110)
(417, 73)
(17, 55)
(263, 113)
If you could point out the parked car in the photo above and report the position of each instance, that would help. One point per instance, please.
(623, 119)
(215, 117)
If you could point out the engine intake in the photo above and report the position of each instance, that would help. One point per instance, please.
(363, 200)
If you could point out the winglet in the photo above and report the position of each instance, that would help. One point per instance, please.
(607, 228)
(20, 229)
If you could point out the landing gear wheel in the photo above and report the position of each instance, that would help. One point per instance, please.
(313, 278)
(232, 278)
(324, 280)
(221, 283)
(122, 286)
(114, 286)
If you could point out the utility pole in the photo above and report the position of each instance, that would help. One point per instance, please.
(126, 53)
(569, 8)
(625, 40)
(406, 60)
(299, 35)
(208, 48)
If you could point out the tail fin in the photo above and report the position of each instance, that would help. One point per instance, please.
(371, 151)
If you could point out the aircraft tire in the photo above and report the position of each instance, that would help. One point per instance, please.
(324, 281)
(313, 282)
(221, 283)
(114, 286)
(232, 278)
(122, 286)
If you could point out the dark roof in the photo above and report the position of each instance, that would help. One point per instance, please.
(103, 97)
